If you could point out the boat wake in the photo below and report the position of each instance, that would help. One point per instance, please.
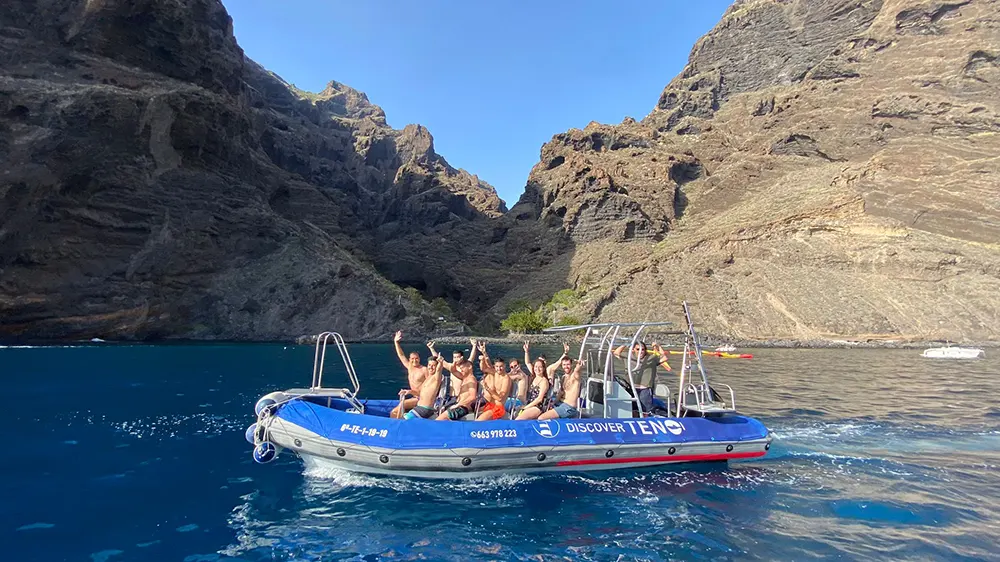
(326, 478)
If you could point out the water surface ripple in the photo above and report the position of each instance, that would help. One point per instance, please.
(137, 453)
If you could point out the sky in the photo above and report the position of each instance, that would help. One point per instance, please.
(492, 81)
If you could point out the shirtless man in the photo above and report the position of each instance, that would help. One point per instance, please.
(463, 381)
(569, 396)
(428, 392)
(564, 361)
(523, 381)
(415, 375)
(496, 387)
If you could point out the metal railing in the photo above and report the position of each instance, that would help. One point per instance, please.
(319, 362)
(704, 400)
(601, 368)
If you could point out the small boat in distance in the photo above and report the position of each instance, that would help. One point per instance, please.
(952, 352)
(611, 428)
(728, 348)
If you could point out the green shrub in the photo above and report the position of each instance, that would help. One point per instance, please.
(519, 304)
(566, 297)
(440, 307)
(569, 321)
(416, 299)
(524, 321)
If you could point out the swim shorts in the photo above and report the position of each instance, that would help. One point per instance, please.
(565, 410)
(512, 404)
(457, 412)
(495, 408)
(419, 412)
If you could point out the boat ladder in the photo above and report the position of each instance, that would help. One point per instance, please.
(319, 361)
(699, 398)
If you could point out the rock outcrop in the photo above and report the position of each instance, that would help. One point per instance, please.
(821, 169)
(157, 183)
(833, 172)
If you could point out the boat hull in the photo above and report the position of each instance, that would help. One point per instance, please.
(953, 353)
(330, 438)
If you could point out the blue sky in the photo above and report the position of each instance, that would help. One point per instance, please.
(492, 81)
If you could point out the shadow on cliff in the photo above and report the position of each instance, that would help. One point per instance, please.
(164, 186)
(481, 263)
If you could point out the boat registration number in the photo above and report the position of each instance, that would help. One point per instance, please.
(494, 433)
(369, 431)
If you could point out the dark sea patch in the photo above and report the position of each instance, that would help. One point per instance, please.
(138, 453)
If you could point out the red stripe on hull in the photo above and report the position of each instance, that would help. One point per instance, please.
(673, 458)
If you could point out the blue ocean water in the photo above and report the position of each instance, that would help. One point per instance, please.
(132, 452)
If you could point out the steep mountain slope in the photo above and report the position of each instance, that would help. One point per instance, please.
(820, 170)
(159, 184)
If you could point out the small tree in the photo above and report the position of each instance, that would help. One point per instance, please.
(440, 307)
(519, 304)
(569, 321)
(566, 298)
(416, 299)
(524, 321)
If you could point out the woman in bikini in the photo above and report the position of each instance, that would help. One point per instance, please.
(537, 392)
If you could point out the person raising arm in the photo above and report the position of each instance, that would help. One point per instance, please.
(569, 397)
(537, 392)
(429, 389)
(564, 362)
(415, 375)
(496, 387)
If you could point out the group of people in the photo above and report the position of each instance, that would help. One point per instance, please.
(505, 389)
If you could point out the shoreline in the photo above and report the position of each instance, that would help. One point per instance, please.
(708, 342)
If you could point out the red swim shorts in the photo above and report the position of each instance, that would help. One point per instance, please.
(494, 408)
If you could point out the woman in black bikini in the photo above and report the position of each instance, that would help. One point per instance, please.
(537, 392)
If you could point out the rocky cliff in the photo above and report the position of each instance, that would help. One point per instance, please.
(819, 170)
(157, 183)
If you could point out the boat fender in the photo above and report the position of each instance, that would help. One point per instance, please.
(251, 433)
(269, 400)
(265, 452)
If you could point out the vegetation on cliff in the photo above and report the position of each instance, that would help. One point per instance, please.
(819, 170)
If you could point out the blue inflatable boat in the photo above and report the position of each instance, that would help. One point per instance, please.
(333, 427)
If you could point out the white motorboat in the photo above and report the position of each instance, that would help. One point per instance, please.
(951, 352)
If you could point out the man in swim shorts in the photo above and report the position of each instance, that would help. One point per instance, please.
(415, 375)
(496, 387)
(429, 389)
(464, 384)
(522, 381)
(569, 396)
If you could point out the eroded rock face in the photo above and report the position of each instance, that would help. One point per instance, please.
(608, 183)
(820, 170)
(158, 184)
(835, 178)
